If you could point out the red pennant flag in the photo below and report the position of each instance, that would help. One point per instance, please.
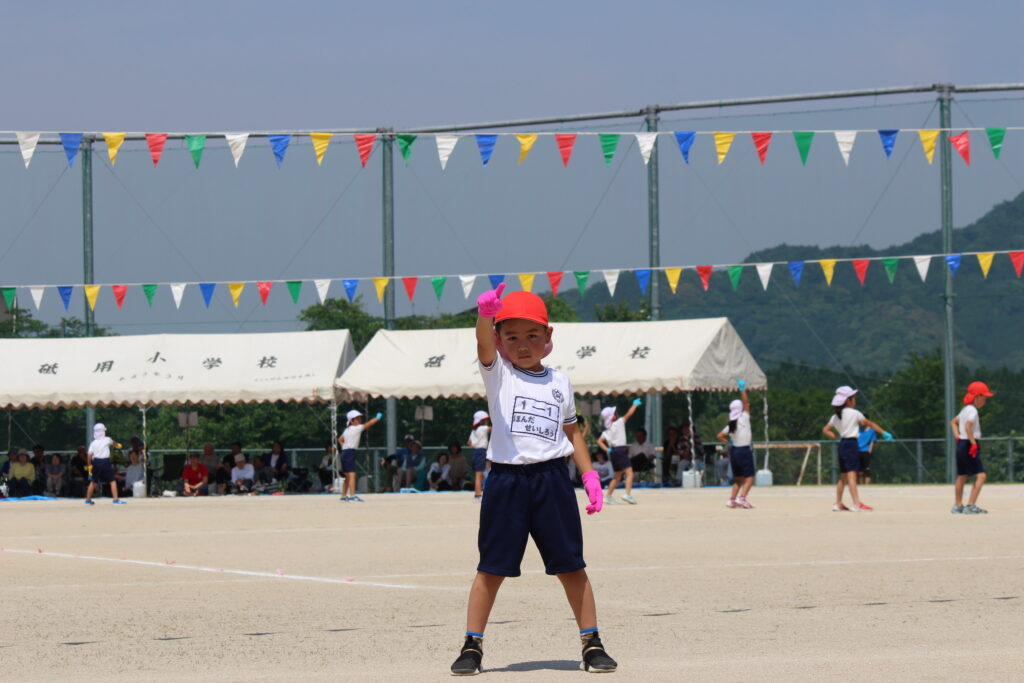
(364, 143)
(119, 292)
(761, 142)
(962, 144)
(264, 288)
(705, 272)
(410, 285)
(1017, 257)
(861, 268)
(566, 141)
(156, 145)
(555, 278)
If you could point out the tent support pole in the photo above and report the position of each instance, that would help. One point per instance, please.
(767, 446)
(145, 451)
(387, 140)
(693, 444)
(334, 440)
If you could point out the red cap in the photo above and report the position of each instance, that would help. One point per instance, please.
(975, 389)
(523, 305)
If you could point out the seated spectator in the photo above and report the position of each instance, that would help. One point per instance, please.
(329, 464)
(437, 476)
(79, 479)
(39, 462)
(222, 477)
(393, 463)
(278, 461)
(242, 476)
(195, 477)
(410, 465)
(135, 470)
(209, 457)
(642, 453)
(669, 455)
(12, 457)
(264, 481)
(603, 467)
(55, 472)
(458, 467)
(22, 476)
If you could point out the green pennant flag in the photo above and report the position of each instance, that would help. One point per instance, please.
(803, 140)
(890, 268)
(149, 291)
(609, 142)
(581, 279)
(294, 287)
(438, 283)
(196, 144)
(405, 146)
(735, 272)
(995, 138)
(9, 294)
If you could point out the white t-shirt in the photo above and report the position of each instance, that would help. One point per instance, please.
(969, 414)
(646, 448)
(849, 426)
(100, 448)
(742, 436)
(615, 435)
(479, 437)
(244, 472)
(443, 470)
(528, 412)
(352, 434)
(604, 470)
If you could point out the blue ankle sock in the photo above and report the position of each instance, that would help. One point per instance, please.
(474, 635)
(588, 631)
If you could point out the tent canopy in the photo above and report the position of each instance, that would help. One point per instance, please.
(600, 358)
(172, 368)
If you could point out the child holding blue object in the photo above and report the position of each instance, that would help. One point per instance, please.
(478, 440)
(613, 442)
(528, 490)
(349, 442)
(848, 421)
(866, 444)
(741, 453)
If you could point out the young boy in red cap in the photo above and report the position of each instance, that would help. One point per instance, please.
(533, 414)
(967, 431)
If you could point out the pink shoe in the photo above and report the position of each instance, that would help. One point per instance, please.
(742, 502)
(732, 504)
(865, 508)
(839, 507)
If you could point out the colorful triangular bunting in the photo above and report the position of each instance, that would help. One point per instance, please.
(735, 273)
(37, 292)
(645, 142)
(1016, 258)
(922, 263)
(264, 289)
(581, 280)
(445, 147)
(322, 287)
(71, 143)
(485, 143)
(236, 143)
(555, 280)
(236, 291)
(953, 261)
(985, 262)
(496, 280)
(611, 278)
(150, 291)
(609, 143)
(566, 142)
(467, 282)
(91, 294)
(526, 281)
(764, 273)
(685, 138)
(828, 267)
(65, 294)
(803, 140)
(723, 141)
(380, 284)
(761, 142)
(294, 288)
(888, 138)
(119, 292)
(207, 290)
(928, 138)
(704, 272)
(673, 274)
(845, 140)
(279, 145)
(438, 283)
(364, 145)
(526, 142)
(643, 278)
(962, 144)
(155, 142)
(196, 144)
(891, 264)
(995, 139)
(320, 143)
(27, 143)
(177, 291)
(410, 286)
(860, 267)
(405, 146)
(796, 269)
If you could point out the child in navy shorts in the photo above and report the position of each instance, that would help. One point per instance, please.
(528, 491)
(613, 442)
(349, 442)
(967, 431)
(848, 421)
(479, 436)
(741, 454)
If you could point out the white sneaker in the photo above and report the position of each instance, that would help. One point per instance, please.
(629, 499)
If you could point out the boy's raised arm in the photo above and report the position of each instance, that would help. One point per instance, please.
(488, 305)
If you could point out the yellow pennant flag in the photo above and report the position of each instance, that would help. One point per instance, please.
(828, 266)
(526, 281)
(985, 261)
(380, 283)
(236, 291)
(91, 292)
(928, 138)
(320, 142)
(723, 141)
(114, 142)
(525, 144)
(673, 277)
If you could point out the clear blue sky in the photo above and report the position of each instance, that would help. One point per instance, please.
(217, 66)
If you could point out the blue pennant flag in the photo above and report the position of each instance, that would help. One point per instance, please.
(65, 294)
(71, 142)
(888, 141)
(350, 288)
(279, 143)
(953, 260)
(496, 280)
(207, 290)
(643, 278)
(797, 269)
(486, 145)
(685, 139)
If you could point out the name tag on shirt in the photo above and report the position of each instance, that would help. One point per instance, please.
(535, 418)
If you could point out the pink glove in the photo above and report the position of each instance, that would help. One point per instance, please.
(489, 303)
(592, 485)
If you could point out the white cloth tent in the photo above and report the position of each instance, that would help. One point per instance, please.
(172, 369)
(600, 358)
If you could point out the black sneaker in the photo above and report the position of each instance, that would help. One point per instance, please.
(595, 659)
(468, 663)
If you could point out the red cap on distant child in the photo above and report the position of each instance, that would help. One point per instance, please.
(524, 305)
(975, 389)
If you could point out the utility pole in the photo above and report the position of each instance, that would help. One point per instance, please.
(945, 91)
(653, 412)
(87, 271)
(387, 140)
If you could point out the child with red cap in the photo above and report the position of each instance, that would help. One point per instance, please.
(533, 416)
(967, 431)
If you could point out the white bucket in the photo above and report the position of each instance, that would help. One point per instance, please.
(139, 489)
(692, 479)
(338, 483)
(763, 478)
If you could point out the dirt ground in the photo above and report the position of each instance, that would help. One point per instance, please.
(310, 588)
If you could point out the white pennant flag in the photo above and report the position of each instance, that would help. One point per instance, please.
(236, 141)
(27, 142)
(445, 147)
(321, 288)
(845, 138)
(764, 271)
(611, 277)
(467, 284)
(645, 141)
(922, 263)
(37, 295)
(177, 291)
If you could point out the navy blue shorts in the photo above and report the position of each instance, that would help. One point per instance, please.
(102, 470)
(742, 459)
(348, 460)
(849, 455)
(530, 500)
(620, 458)
(865, 462)
(479, 459)
(965, 464)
